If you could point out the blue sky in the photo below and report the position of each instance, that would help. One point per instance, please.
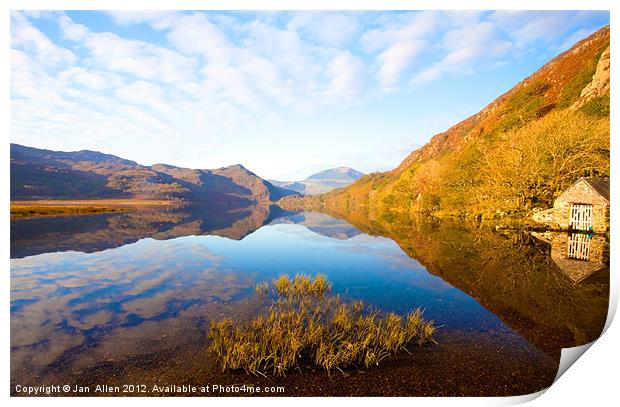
(285, 94)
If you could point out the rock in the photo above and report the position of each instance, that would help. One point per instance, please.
(600, 82)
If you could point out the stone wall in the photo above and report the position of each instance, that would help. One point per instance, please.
(581, 193)
(544, 216)
(578, 270)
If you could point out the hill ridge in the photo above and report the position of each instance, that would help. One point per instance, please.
(43, 174)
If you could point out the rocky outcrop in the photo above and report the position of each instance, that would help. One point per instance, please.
(600, 82)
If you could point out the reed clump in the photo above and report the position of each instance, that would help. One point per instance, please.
(306, 323)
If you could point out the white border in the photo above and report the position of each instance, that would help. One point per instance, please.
(309, 5)
(593, 381)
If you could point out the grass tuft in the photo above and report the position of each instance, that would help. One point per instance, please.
(306, 323)
(261, 289)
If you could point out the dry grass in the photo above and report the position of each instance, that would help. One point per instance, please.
(306, 323)
(96, 202)
(31, 211)
(261, 288)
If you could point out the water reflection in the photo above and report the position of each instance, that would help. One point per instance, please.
(105, 288)
(101, 289)
(320, 223)
(123, 301)
(578, 256)
(512, 274)
(100, 232)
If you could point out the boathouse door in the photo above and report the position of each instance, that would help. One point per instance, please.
(579, 246)
(581, 217)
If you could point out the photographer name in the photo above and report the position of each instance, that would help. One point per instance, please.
(142, 388)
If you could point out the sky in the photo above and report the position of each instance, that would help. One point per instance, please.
(286, 94)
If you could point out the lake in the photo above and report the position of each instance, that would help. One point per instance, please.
(127, 297)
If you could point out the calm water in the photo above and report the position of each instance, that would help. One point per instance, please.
(100, 289)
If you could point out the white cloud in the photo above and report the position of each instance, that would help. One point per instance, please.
(468, 43)
(347, 77)
(195, 34)
(399, 43)
(139, 58)
(330, 29)
(392, 29)
(473, 43)
(158, 19)
(142, 59)
(147, 94)
(26, 37)
(86, 78)
(266, 64)
(526, 27)
(396, 59)
(71, 30)
(97, 103)
(422, 47)
(299, 61)
(427, 75)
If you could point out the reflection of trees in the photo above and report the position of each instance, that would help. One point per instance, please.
(511, 274)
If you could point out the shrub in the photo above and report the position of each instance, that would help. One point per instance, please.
(597, 107)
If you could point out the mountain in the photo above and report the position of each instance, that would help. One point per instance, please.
(515, 155)
(44, 174)
(320, 223)
(322, 182)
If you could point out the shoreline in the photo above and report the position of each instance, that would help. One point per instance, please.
(29, 209)
(464, 363)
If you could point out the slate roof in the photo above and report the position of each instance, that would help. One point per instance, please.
(600, 185)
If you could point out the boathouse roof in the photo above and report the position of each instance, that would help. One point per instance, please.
(599, 185)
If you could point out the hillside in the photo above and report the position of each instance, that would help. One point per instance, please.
(323, 181)
(41, 174)
(516, 154)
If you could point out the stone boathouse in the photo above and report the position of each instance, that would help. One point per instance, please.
(583, 206)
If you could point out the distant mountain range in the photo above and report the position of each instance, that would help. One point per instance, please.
(46, 174)
(322, 182)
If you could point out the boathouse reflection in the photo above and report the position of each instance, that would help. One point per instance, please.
(577, 255)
